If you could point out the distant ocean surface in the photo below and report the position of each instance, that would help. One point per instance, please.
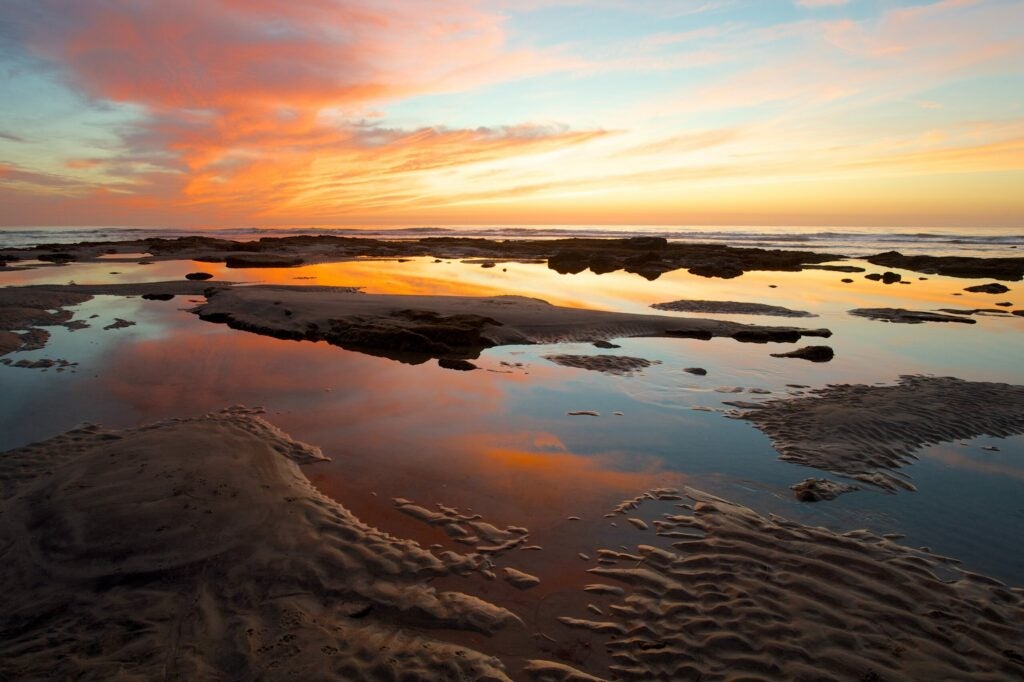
(850, 241)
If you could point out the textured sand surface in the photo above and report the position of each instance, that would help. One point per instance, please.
(417, 328)
(196, 549)
(904, 316)
(606, 364)
(744, 596)
(730, 308)
(25, 310)
(867, 432)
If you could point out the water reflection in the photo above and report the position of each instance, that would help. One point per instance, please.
(499, 440)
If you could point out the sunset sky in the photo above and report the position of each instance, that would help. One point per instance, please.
(373, 112)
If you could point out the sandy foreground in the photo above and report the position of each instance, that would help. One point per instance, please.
(196, 548)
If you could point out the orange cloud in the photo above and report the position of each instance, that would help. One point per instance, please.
(257, 109)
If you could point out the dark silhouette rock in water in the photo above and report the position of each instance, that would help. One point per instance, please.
(262, 260)
(817, 489)
(993, 288)
(729, 308)
(885, 277)
(698, 371)
(198, 276)
(158, 297)
(457, 364)
(57, 257)
(812, 353)
(953, 266)
(601, 343)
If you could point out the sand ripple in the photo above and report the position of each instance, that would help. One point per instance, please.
(762, 598)
(196, 549)
(866, 432)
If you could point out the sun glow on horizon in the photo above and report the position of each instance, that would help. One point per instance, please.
(226, 113)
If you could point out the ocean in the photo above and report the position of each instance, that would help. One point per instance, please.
(850, 241)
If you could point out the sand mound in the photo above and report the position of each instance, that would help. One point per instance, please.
(606, 364)
(196, 549)
(904, 316)
(23, 310)
(730, 308)
(418, 328)
(759, 598)
(866, 432)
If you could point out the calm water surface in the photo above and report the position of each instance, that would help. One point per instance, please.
(499, 440)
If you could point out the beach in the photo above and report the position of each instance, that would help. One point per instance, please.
(453, 457)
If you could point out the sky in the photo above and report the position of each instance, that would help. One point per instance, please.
(194, 113)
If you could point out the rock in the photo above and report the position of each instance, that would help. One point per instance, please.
(812, 353)
(817, 489)
(118, 323)
(724, 271)
(993, 288)
(885, 277)
(953, 266)
(262, 260)
(487, 264)
(198, 276)
(901, 315)
(1019, 313)
(158, 297)
(846, 280)
(460, 365)
(605, 344)
(729, 308)
(835, 268)
(699, 371)
(56, 257)
(1005, 304)
(583, 413)
(768, 336)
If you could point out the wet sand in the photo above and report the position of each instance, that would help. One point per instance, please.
(870, 432)
(196, 548)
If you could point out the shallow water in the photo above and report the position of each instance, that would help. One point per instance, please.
(499, 440)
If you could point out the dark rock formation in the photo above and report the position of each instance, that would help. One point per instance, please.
(812, 353)
(993, 288)
(729, 308)
(262, 260)
(1011, 269)
(456, 364)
